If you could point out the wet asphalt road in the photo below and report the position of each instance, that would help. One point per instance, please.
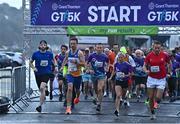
(85, 112)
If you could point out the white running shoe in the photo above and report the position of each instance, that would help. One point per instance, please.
(105, 94)
(110, 95)
(153, 117)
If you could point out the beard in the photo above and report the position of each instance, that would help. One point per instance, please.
(43, 49)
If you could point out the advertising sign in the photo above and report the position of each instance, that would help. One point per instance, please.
(105, 12)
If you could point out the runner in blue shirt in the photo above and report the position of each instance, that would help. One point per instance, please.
(139, 74)
(98, 63)
(43, 70)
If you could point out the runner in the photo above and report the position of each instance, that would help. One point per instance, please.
(122, 70)
(130, 60)
(111, 82)
(139, 74)
(43, 69)
(87, 77)
(52, 75)
(111, 56)
(75, 59)
(177, 57)
(155, 66)
(99, 65)
(172, 79)
(106, 92)
(61, 79)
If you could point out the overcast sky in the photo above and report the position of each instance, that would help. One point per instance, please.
(14, 3)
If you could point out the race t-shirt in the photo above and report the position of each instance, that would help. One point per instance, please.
(139, 67)
(98, 62)
(59, 58)
(43, 62)
(122, 70)
(157, 64)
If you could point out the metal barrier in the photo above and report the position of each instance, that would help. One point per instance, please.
(6, 83)
(13, 86)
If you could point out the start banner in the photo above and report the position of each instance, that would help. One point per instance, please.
(105, 12)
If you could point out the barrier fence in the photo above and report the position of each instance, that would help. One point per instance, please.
(13, 86)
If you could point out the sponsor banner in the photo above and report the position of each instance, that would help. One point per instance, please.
(105, 12)
(111, 30)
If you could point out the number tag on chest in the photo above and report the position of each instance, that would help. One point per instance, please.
(44, 63)
(98, 64)
(120, 75)
(155, 69)
(72, 68)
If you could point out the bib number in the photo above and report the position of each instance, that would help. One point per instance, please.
(155, 69)
(71, 66)
(98, 64)
(120, 75)
(44, 63)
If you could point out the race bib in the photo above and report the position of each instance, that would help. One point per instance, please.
(155, 69)
(44, 63)
(98, 64)
(71, 66)
(120, 75)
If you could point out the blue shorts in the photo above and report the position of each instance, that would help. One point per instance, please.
(95, 78)
(76, 81)
(86, 78)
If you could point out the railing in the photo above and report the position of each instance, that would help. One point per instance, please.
(13, 86)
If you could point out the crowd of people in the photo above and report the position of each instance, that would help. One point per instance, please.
(98, 72)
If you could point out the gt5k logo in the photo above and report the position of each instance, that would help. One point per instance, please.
(163, 16)
(65, 16)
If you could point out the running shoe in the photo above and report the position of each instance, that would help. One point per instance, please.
(126, 103)
(39, 109)
(153, 117)
(76, 100)
(95, 101)
(146, 102)
(68, 111)
(110, 95)
(156, 105)
(98, 108)
(138, 98)
(105, 94)
(172, 99)
(129, 95)
(116, 113)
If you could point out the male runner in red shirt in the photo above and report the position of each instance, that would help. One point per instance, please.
(155, 66)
